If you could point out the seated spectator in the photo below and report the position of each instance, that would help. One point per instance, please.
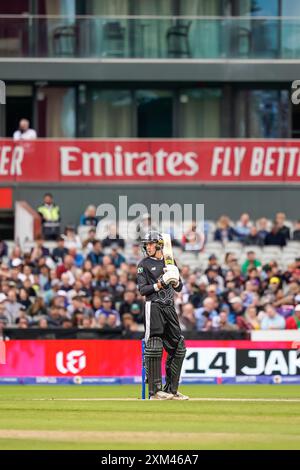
(43, 323)
(194, 291)
(37, 309)
(108, 311)
(280, 219)
(205, 314)
(193, 239)
(39, 250)
(71, 238)
(213, 263)
(113, 238)
(23, 298)
(23, 323)
(272, 320)
(101, 321)
(96, 255)
(87, 244)
(251, 262)
(128, 322)
(60, 250)
(77, 256)
(3, 249)
(135, 255)
(293, 322)
(221, 323)
(131, 305)
(249, 295)
(187, 318)
(88, 322)
(243, 226)
(12, 307)
(112, 321)
(251, 319)
(237, 310)
(54, 319)
(89, 217)
(263, 228)
(24, 132)
(224, 232)
(3, 324)
(296, 234)
(253, 238)
(276, 237)
(17, 256)
(50, 214)
(230, 262)
(213, 277)
(116, 257)
(116, 289)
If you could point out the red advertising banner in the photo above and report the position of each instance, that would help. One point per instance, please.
(198, 161)
(123, 358)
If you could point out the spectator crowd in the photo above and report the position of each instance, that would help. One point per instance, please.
(91, 283)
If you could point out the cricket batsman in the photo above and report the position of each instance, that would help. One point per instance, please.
(157, 283)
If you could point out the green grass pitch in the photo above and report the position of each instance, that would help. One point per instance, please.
(102, 417)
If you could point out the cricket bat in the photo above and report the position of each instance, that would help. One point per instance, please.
(168, 250)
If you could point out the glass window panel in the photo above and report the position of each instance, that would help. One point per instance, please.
(262, 113)
(258, 7)
(154, 113)
(200, 112)
(111, 112)
(56, 111)
(290, 8)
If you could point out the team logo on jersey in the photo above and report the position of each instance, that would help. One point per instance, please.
(153, 268)
(140, 270)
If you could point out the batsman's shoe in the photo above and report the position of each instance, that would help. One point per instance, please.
(162, 396)
(180, 396)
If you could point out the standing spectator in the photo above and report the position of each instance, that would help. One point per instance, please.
(24, 132)
(276, 236)
(243, 227)
(50, 214)
(296, 234)
(272, 320)
(224, 232)
(283, 229)
(251, 262)
(293, 322)
(89, 217)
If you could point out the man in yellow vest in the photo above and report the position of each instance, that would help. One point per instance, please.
(50, 214)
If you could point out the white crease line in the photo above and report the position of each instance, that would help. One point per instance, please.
(238, 400)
